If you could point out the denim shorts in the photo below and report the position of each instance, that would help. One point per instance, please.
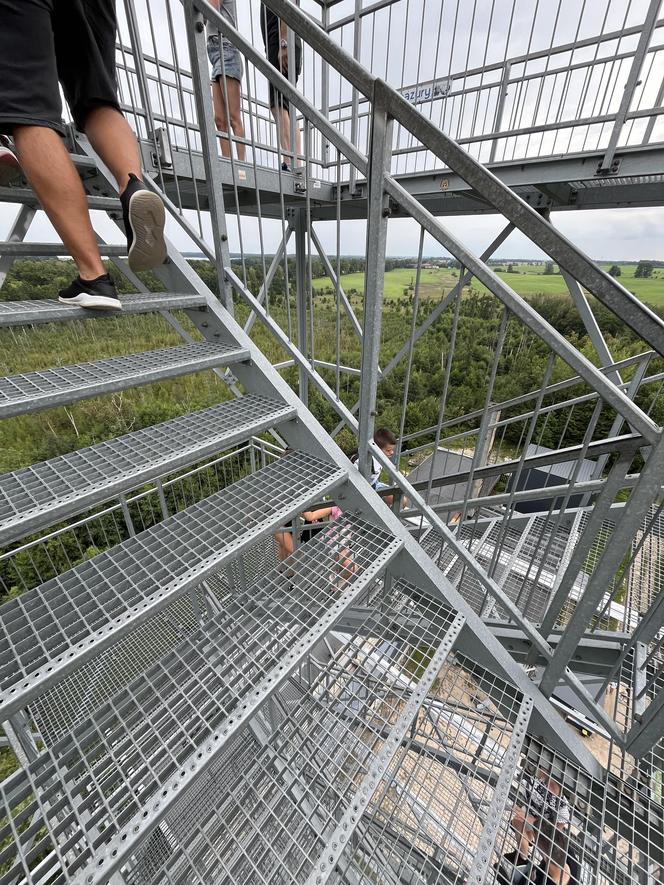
(232, 62)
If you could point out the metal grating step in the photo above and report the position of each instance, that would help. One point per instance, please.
(44, 250)
(438, 805)
(154, 738)
(78, 696)
(50, 631)
(28, 313)
(330, 740)
(20, 394)
(45, 493)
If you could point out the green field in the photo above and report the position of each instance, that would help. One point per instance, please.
(529, 280)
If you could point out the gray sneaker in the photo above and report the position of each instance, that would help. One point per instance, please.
(144, 219)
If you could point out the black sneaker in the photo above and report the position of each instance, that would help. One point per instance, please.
(96, 294)
(144, 219)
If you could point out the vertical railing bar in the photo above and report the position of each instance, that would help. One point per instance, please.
(509, 506)
(446, 384)
(586, 606)
(162, 94)
(337, 286)
(180, 92)
(409, 365)
(198, 53)
(562, 508)
(635, 71)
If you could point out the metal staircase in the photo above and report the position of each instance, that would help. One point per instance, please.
(185, 708)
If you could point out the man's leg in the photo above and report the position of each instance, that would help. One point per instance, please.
(48, 168)
(144, 216)
(113, 139)
(282, 119)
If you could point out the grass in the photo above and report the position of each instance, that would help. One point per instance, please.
(529, 280)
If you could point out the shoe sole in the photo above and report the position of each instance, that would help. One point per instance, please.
(147, 218)
(92, 302)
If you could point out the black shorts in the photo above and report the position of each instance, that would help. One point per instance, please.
(46, 41)
(276, 97)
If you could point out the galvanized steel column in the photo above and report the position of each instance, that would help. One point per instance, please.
(203, 96)
(378, 212)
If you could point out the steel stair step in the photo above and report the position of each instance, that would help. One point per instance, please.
(34, 391)
(281, 813)
(43, 494)
(48, 632)
(44, 250)
(17, 194)
(200, 695)
(30, 313)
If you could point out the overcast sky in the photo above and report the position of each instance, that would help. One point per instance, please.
(436, 40)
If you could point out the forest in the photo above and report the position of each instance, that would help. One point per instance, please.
(29, 439)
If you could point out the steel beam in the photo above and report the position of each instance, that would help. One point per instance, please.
(301, 297)
(208, 134)
(279, 255)
(592, 326)
(17, 233)
(351, 818)
(329, 270)
(529, 316)
(479, 871)
(379, 164)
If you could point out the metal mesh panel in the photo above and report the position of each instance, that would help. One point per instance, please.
(109, 767)
(327, 726)
(40, 493)
(608, 830)
(428, 812)
(48, 630)
(25, 393)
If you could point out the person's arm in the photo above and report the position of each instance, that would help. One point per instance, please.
(314, 515)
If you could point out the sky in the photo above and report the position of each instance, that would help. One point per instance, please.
(419, 41)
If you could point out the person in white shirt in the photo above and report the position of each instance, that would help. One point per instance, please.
(386, 442)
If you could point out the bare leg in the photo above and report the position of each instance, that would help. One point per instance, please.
(113, 139)
(235, 111)
(220, 116)
(284, 544)
(282, 118)
(51, 173)
(523, 826)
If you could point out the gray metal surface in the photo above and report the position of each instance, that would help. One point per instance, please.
(45, 493)
(32, 391)
(49, 632)
(126, 759)
(275, 823)
(28, 313)
(201, 731)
